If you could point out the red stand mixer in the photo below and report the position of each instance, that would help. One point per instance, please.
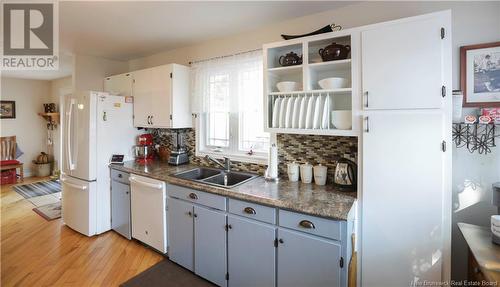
(144, 150)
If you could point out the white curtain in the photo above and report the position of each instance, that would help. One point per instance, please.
(201, 72)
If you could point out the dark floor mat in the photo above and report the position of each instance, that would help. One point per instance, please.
(167, 274)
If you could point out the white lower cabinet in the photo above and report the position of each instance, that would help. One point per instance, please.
(181, 233)
(210, 244)
(305, 260)
(251, 253)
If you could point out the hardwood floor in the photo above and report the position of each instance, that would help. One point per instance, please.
(36, 252)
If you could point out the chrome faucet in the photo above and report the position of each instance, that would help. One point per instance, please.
(226, 165)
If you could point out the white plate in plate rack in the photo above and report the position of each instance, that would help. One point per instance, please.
(289, 112)
(318, 112)
(326, 112)
(296, 111)
(303, 112)
(310, 112)
(276, 112)
(282, 116)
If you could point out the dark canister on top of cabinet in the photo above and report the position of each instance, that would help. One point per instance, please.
(334, 52)
(290, 59)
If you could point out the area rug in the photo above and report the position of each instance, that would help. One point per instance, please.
(50, 211)
(38, 188)
(167, 274)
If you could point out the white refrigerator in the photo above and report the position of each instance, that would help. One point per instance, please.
(96, 125)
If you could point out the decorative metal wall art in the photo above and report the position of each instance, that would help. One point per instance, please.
(475, 137)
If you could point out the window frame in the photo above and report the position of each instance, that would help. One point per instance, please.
(232, 151)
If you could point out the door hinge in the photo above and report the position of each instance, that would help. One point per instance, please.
(226, 227)
(227, 276)
(442, 32)
(170, 75)
(170, 117)
(341, 262)
(133, 81)
(443, 91)
(443, 146)
(275, 242)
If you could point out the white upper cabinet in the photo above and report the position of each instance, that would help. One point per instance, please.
(402, 65)
(119, 84)
(161, 95)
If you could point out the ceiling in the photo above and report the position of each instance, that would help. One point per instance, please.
(133, 29)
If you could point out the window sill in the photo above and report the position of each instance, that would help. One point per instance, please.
(257, 159)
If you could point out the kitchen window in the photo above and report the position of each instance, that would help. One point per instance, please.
(227, 98)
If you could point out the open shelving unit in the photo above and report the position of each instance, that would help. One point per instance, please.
(307, 74)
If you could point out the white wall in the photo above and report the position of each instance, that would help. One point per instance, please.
(472, 23)
(29, 128)
(89, 72)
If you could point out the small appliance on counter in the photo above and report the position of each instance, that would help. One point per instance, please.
(144, 149)
(345, 175)
(179, 154)
(495, 219)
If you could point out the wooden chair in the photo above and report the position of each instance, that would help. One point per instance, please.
(8, 156)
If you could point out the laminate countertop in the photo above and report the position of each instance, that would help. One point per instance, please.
(324, 201)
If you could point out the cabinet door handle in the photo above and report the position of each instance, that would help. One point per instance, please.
(195, 215)
(189, 213)
(249, 210)
(307, 224)
(193, 196)
(367, 129)
(148, 120)
(151, 119)
(120, 175)
(281, 241)
(366, 103)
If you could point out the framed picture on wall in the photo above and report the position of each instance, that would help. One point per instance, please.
(480, 74)
(7, 109)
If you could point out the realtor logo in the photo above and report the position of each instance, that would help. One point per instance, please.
(29, 36)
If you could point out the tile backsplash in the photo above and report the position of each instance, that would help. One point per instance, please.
(313, 149)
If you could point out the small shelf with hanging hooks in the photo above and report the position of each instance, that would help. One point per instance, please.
(51, 118)
(476, 137)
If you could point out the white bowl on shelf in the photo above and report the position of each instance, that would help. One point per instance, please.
(342, 119)
(287, 86)
(333, 83)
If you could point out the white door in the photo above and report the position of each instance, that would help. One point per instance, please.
(148, 203)
(210, 245)
(161, 85)
(402, 198)
(78, 205)
(119, 84)
(251, 253)
(305, 260)
(402, 65)
(80, 136)
(181, 233)
(143, 93)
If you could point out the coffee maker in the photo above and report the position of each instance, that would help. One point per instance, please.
(144, 149)
(179, 154)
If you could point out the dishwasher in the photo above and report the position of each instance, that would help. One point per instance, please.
(149, 214)
(120, 203)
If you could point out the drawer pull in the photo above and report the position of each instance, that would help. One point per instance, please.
(249, 210)
(193, 196)
(120, 175)
(307, 224)
(189, 213)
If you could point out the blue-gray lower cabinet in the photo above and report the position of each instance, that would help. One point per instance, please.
(181, 233)
(120, 208)
(210, 244)
(305, 260)
(251, 253)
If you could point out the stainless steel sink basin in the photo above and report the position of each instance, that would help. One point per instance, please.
(216, 177)
(229, 179)
(198, 173)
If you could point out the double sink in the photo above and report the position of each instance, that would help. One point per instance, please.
(216, 177)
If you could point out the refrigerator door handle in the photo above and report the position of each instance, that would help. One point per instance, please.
(69, 136)
(82, 187)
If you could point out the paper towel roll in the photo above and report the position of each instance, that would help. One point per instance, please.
(273, 162)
